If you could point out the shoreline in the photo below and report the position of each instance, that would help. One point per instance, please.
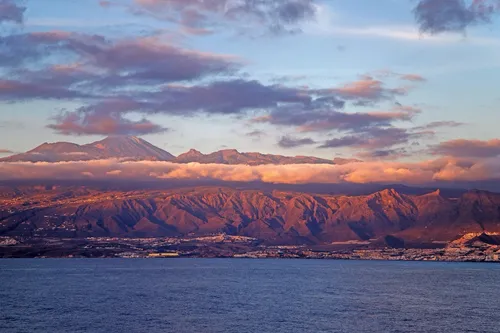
(464, 249)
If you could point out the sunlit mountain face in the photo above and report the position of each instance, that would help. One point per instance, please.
(272, 216)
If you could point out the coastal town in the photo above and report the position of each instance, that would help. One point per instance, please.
(474, 247)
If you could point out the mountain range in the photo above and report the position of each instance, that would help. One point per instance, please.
(134, 148)
(276, 217)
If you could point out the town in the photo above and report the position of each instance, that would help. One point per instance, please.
(469, 248)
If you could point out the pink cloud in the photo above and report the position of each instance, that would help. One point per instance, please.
(369, 89)
(413, 77)
(468, 148)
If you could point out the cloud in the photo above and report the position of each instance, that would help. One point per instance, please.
(375, 138)
(325, 119)
(301, 107)
(204, 17)
(219, 97)
(437, 16)
(384, 154)
(427, 172)
(368, 90)
(345, 141)
(5, 151)
(292, 142)
(468, 148)
(10, 11)
(413, 77)
(114, 62)
(28, 48)
(103, 124)
(386, 73)
(439, 124)
(255, 133)
(11, 90)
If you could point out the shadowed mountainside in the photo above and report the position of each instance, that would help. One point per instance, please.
(273, 216)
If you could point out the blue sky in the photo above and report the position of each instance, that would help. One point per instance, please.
(344, 42)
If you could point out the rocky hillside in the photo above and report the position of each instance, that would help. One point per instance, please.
(277, 217)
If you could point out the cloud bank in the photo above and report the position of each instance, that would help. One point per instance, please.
(428, 172)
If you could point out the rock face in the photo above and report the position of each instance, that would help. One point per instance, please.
(129, 147)
(276, 217)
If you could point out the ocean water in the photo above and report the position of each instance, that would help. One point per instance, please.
(247, 296)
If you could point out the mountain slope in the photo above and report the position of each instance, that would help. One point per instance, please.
(276, 217)
(134, 148)
(232, 156)
(129, 147)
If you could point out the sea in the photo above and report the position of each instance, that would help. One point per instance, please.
(247, 296)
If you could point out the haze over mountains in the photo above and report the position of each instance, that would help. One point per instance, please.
(134, 148)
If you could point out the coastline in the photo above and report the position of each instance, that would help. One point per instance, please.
(238, 247)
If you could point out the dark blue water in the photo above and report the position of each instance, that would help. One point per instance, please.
(247, 296)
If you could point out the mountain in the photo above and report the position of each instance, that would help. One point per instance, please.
(128, 147)
(134, 148)
(232, 156)
(273, 216)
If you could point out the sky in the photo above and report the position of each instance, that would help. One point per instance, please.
(380, 81)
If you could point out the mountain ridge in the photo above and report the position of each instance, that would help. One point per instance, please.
(273, 216)
(131, 147)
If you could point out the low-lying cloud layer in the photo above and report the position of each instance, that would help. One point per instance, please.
(428, 172)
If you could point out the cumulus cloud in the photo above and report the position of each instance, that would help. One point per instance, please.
(468, 148)
(11, 11)
(352, 172)
(293, 142)
(437, 16)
